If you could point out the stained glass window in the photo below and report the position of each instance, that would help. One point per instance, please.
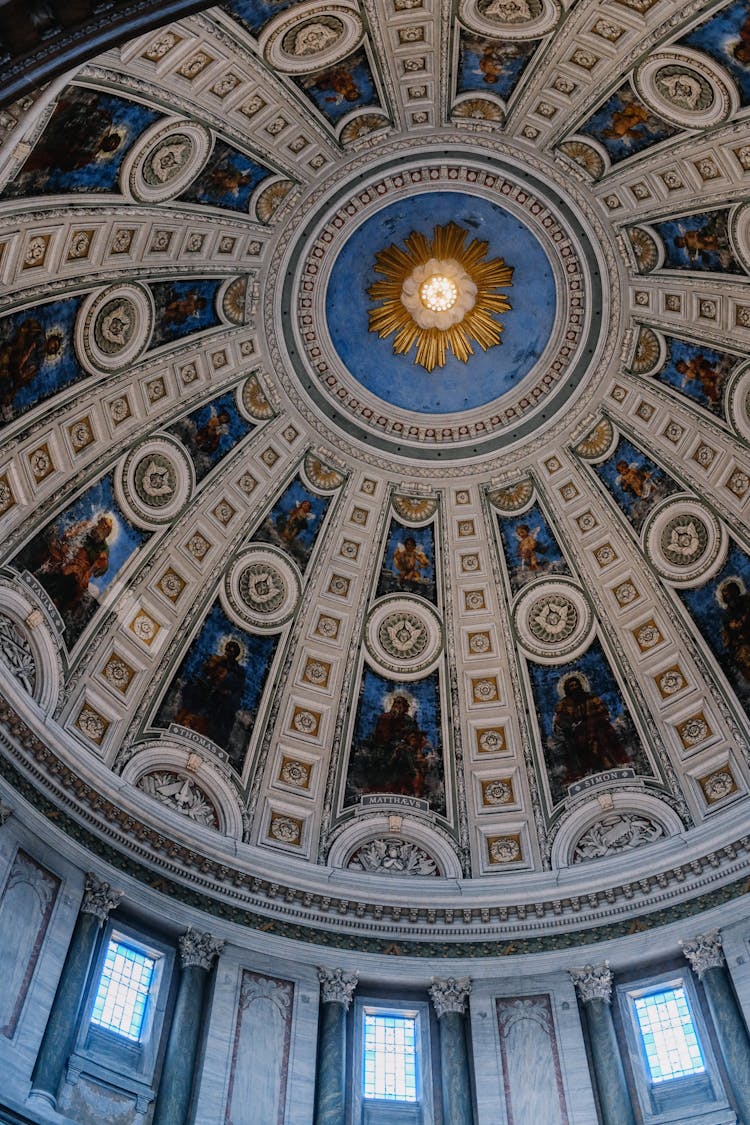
(122, 996)
(390, 1056)
(668, 1034)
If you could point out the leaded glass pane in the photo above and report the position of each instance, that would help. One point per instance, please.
(390, 1057)
(668, 1033)
(122, 996)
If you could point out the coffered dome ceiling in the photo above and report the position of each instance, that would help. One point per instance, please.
(375, 471)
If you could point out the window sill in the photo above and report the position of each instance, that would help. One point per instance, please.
(114, 1077)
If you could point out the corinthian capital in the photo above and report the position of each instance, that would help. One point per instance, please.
(99, 898)
(593, 982)
(704, 952)
(198, 949)
(450, 995)
(337, 986)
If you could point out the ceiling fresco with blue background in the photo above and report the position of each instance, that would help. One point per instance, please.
(457, 386)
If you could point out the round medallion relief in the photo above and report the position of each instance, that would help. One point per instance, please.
(168, 158)
(553, 620)
(686, 88)
(305, 41)
(114, 327)
(261, 589)
(684, 541)
(154, 482)
(404, 635)
(738, 399)
(511, 19)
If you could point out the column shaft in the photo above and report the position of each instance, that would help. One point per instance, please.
(59, 1034)
(454, 1070)
(176, 1084)
(732, 1034)
(330, 1086)
(614, 1098)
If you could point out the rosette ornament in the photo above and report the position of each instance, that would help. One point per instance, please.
(440, 295)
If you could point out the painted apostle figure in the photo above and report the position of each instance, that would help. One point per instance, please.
(735, 631)
(590, 741)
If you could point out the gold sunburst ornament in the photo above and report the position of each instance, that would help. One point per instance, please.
(439, 294)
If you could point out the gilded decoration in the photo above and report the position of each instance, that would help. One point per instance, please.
(439, 294)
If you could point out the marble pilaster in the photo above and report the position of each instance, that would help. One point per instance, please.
(449, 998)
(706, 957)
(59, 1035)
(336, 991)
(593, 985)
(197, 954)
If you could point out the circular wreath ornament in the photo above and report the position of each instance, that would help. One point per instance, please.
(554, 621)
(155, 482)
(114, 327)
(439, 294)
(403, 636)
(685, 541)
(261, 589)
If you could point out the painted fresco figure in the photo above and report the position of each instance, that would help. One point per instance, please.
(408, 560)
(211, 701)
(642, 486)
(399, 755)
(735, 632)
(493, 59)
(78, 134)
(203, 441)
(209, 435)
(633, 120)
(589, 741)
(741, 50)
(528, 547)
(290, 526)
(634, 478)
(179, 310)
(22, 357)
(707, 375)
(337, 85)
(707, 244)
(74, 558)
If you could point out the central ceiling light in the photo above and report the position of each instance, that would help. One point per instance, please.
(438, 293)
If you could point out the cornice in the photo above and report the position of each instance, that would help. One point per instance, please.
(451, 926)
